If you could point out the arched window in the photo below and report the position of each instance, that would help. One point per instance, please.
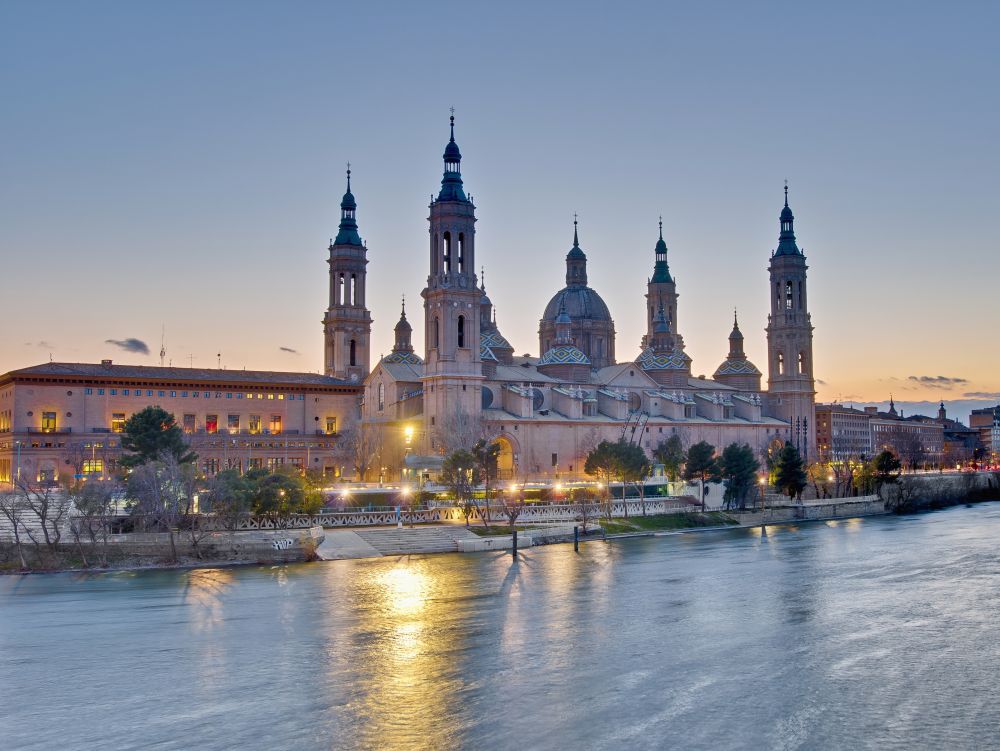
(381, 396)
(354, 289)
(461, 252)
(461, 331)
(354, 352)
(802, 363)
(436, 334)
(340, 290)
(800, 295)
(781, 364)
(788, 295)
(446, 254)
(434, 254)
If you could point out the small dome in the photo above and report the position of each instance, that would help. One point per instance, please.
(348, 202)
(579, 303)
(676, 360)
(403, 325)
(564, 354)
(451, 152)
(406, 358)
(494, 339)
(737, 367)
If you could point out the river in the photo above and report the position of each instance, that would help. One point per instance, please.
(877, 633)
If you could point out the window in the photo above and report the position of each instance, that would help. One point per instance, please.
(211, 423)
(149, 393)
(270, 396)
(234, 423)
(275, 424)
(788, 295)
(802, 363)
(331, 425)
(208, 394)
(436, 332)
(229, 395)
(354, 353)
(118, 422)
(195, 394)
(381, 396)
(188, 423)
(461, 252)
(161, 394)
(173, 394)
(340, 291)
(48, 422)
(255, 424)
(93, 466)
(461, 331)
(781, 364)
(124, 392)
(354, 289)
(88, 392)
(114, 392)
(211, 466)
(447, 252)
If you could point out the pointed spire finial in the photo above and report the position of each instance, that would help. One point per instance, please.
(403, 313)
(786, 193)
(661, 226)
(348, 177)
(576, 239)
(736, 323)
(452, 123)
(482, 278)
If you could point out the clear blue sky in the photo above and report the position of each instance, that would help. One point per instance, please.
(182, 163)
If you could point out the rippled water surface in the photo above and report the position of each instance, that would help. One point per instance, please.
(881, 633)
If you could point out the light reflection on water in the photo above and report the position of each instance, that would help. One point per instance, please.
(874, 633)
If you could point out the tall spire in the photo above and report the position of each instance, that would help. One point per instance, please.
(786, 240)
(451, 183)
(576, 261)
(661, 271)
(348, 234)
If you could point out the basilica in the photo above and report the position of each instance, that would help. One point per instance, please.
(548, 411)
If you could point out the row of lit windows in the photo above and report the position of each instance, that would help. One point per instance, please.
(196, 394)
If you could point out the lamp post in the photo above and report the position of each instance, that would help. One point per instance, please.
(18, 473)
(763, 505)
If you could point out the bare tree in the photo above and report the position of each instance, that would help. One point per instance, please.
(159, 491)
(584, 505)
(13, 509)
(460, 430)
(95, 502)
(360, 446)
(513, 505)
(50, 508)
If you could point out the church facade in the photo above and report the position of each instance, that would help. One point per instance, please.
(548, 411)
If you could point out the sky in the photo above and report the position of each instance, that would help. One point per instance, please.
(178, 167)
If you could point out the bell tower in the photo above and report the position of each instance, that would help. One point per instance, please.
(453, 370)
(661, 291)
(347, 325)
(790, 382)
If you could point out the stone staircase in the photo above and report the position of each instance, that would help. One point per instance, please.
(403, 541)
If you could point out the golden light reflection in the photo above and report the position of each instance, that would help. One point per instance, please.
(203, 594)
(407, 646)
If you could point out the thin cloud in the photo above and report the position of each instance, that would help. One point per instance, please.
(938, 382)
(289, 350)
(41, 345)
(821, 383)
(131, 344)
(982, 395)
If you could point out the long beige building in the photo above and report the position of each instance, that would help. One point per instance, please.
(60, 420)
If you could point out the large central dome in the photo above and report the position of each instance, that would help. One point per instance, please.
(591, 329)
(579, 302)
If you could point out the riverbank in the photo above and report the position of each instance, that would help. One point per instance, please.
(156, 550)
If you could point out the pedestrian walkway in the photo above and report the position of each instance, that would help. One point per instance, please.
(372, 543)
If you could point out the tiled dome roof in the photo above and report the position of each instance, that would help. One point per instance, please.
(564, 354)
(580, 303)
(676, 360)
